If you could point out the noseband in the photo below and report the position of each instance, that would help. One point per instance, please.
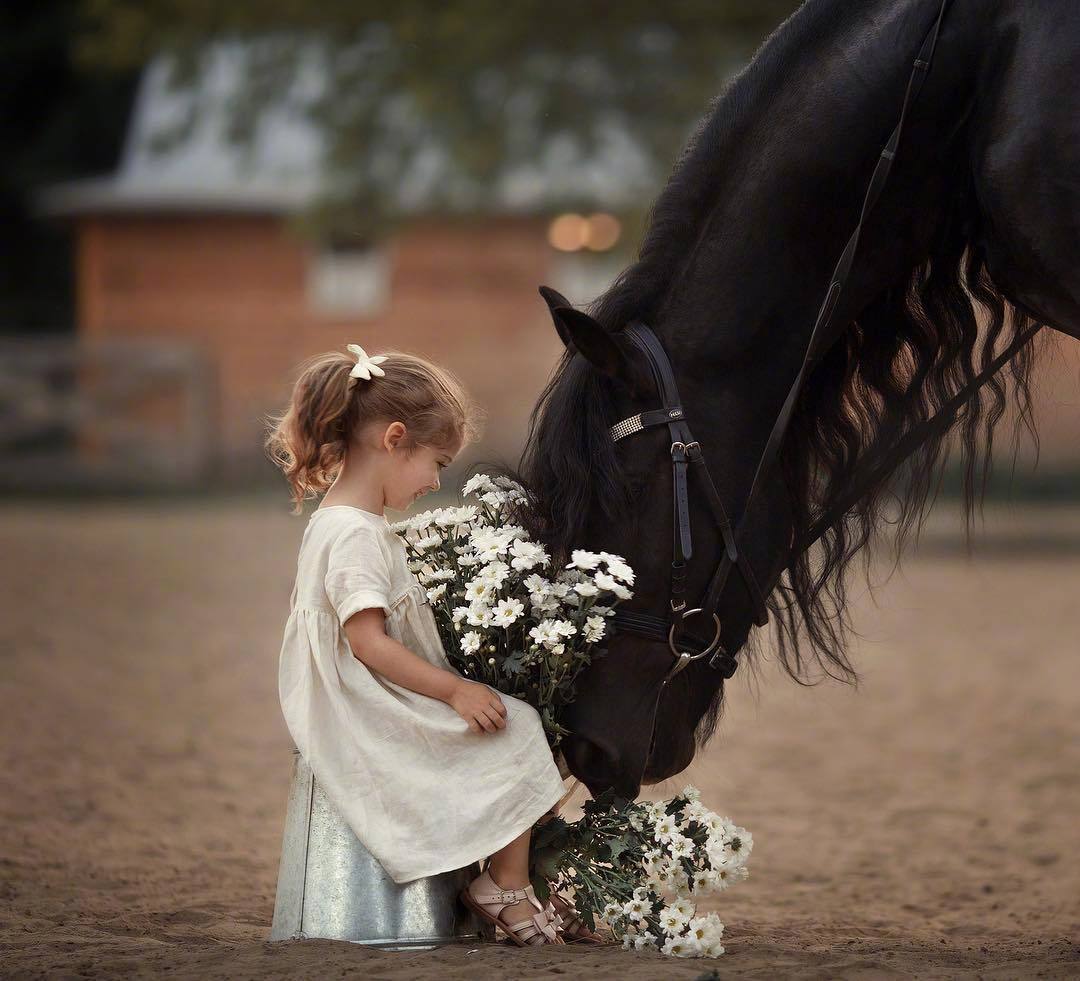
(685, 450)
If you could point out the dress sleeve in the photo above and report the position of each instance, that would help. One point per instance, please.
(357, 573)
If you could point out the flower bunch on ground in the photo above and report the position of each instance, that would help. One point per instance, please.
(505, 616)
(642, 866)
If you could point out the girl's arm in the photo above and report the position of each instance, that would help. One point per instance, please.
(476, 703)
(370, 644)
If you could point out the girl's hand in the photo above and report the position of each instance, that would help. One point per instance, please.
(478, 705)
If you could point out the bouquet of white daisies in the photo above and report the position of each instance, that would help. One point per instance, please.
(505, 617)
(509, 620)
(642, 866)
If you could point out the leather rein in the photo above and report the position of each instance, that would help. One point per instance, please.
(686, 453)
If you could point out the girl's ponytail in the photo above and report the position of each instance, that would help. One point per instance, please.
(308, 442)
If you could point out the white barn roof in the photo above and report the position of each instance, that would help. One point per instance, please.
(281, 170)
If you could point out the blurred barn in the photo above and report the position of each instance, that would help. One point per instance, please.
(196, 253)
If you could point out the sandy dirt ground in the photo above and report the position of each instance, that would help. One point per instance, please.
(924, 825)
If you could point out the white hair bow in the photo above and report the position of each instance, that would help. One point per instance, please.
(365, 367)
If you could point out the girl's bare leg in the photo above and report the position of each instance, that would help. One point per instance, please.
(509, 867)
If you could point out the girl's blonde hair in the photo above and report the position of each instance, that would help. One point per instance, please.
(308, 441)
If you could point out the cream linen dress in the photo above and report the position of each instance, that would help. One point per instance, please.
(421, 790)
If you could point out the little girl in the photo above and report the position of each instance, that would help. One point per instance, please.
(431, 770)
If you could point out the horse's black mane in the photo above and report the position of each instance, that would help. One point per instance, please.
(915, 346)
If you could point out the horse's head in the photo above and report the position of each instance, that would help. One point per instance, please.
(730, 275)
(617, 496)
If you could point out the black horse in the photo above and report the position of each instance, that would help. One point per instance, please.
(974, 239)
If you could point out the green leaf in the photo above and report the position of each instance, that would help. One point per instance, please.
(546, 862)
(619, 845)
(512, 664)
(554, 831)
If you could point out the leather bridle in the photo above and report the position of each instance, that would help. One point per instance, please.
(686, 451)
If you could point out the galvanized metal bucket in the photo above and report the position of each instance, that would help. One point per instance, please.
(331, 887)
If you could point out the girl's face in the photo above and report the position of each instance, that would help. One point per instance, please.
(413, 475)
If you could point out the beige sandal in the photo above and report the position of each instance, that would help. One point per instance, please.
(573, 927)
(487, 899)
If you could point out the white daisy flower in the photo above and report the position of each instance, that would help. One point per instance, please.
(594, 629)
(494, 574)
(725, 876)
(664, 828)
(527, 554)
(480, 482)
(683, 907)
(480, 615)
(543, 603)
(682, 847)
(644, 939)
(695, 811)
(470, 642)
(654, 810)
(611, 910)
(507, 611)
(737, 843)
(706, 929)
(545, 633)
(586, 589)
(673, 919)
(581, 559)
(714, 823)
(459, 614)
(428, 541)
(634, 909)
(536, 583)
(477, 590)
(490, 542)
(436, 592)
(620, 570)
(565, 628)
(604, 581)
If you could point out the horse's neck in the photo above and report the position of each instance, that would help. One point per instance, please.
(791, 184)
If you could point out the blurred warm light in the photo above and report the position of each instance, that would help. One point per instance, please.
(568, 233)
(571, 233)
(603, 232)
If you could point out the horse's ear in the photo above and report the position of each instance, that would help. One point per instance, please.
(594, 343)
(555, 300)
(580, 333)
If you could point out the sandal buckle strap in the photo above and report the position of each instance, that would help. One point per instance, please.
(545, 924)
(502, 896)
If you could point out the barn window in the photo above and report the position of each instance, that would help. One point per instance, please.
(348, 278)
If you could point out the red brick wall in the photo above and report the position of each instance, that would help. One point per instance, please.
(235, 286)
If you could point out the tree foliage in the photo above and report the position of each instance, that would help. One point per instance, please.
(490, 84)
